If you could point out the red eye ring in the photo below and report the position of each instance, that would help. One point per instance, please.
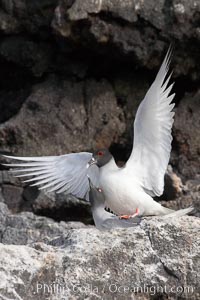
(100, 153)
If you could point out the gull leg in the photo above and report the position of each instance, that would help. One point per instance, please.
(130, 216)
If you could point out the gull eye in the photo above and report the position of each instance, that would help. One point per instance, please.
(100, 153)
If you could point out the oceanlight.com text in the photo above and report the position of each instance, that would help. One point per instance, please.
(112, 288)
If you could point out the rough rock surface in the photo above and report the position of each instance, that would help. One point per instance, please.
(58, 118)
(187, 136)
(134, 28)
(26, 228)
(138, 31)
(158, 258)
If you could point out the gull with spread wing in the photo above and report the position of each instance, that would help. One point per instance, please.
(129, 190)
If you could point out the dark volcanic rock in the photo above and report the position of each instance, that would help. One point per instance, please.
(63, 116)
(173, 185)
(20, 197)
(25, 34)
(8, 24)
(29, 16)
(187, 136)
(13, 196)
(26, 53)
(62, 207)
(190, 196)
(136, 29)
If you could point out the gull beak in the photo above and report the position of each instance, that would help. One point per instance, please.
(92, 186)
(90, 182)
(92, 161)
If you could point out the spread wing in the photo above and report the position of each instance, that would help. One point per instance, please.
(64, 173)
(152, 133)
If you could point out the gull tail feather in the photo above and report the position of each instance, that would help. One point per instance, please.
(178, 213)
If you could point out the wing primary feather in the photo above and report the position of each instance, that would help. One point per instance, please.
(66, 181)
(55, 173)
(152, 132)
(165, 83)
(38, 178)
(34, 164)
(55, 187)
(63, 189)
(52, 183)
(29, 169)
(32, 174)
(167, 91)
(38, 159)
(42, 182)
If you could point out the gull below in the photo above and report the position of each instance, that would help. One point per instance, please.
(103, 219)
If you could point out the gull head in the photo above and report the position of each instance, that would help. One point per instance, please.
(100, 158)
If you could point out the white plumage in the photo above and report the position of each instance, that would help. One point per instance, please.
(64, 173)
(152, 133)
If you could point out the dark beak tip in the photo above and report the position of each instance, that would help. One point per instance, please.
(91, 162)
